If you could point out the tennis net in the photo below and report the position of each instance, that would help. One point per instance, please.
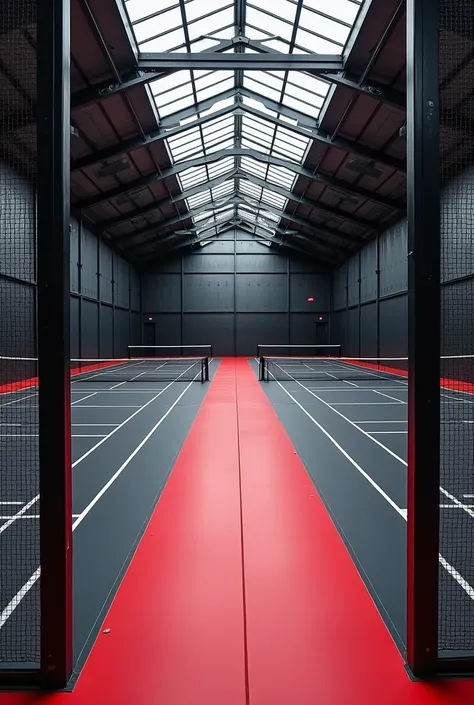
(293, 350)
(169, 351)
(21, 373)
(329, 369)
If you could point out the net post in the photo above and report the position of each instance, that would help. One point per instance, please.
(53, 292)
(423, 186)
(206, 369)
(261, 368)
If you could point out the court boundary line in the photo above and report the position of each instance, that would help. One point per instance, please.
(455, 574)
(24, 590)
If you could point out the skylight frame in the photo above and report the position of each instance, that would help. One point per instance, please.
(287, 32)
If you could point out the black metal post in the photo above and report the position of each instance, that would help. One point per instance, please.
(53, 150)
(423, 173)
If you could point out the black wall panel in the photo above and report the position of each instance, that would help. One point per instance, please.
(261, 292)
(265, 263)
(351, 342)
(134, 290)
(163, 292)
(167, 328)
(135, 329)
(457, 228)
(255, 328)
(353, 281)
(17, 319)
(239, 276)
(339, 288)
(338, 330)
(219, 247)
(106, 288)
(216, 329)
(89, 264)
(368, 272)
(393, 334)
(368, 330)
(299, 264)
(121, 282)
(106, 331)
(17, 250)
(458, 333)
(304, 286)
(393, 260)
(74, 257)
(302, 329)
(121, 333)
(74, 332)
(250, 246)
(89, 329)
(208, 293)
(209, 263)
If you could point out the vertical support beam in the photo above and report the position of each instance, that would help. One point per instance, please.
(80, 283)
(114, 352)
(288, 306)
(423, 172)
(235, 292)
(377, 304)
(181, 259)
(53, 149)
(99, 299)
(359, 314)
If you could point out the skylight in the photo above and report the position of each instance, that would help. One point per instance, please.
(252, 151)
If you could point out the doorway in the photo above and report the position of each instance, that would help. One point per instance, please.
(148, 334)
(322, 333)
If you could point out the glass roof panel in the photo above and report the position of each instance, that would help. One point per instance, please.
(199, 25)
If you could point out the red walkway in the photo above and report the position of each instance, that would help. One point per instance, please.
(241, 590)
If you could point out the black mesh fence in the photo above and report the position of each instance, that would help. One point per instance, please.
(456, 65)
(19, 464)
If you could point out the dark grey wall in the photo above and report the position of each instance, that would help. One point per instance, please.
(235, 293)
(105, 298)
(369, 291)
(105, 307)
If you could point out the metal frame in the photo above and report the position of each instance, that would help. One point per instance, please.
(306, 127)
(423, 170)
(53, 129)
(236, 151)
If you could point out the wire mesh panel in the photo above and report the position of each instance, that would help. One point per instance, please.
(19, 455)
(456, 581)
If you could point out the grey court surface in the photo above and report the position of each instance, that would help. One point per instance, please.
(125, 439)
(352, 438)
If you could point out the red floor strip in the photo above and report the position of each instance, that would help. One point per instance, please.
(313, 634)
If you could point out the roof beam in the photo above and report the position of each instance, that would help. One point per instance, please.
(156, 177)
(305, 201)
(170, 126)
(235, 199)
(129, 80)
(212, 61)
(214, 57)
(149, 179)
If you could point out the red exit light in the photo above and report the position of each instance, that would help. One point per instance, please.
(311, 299)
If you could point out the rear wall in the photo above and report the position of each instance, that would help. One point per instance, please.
(234, 293)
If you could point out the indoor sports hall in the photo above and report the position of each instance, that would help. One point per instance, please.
(236, 352)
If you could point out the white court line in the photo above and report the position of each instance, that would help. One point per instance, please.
(15, 601)
(468, 589)
(108, 406)
(95, 424)
(17, 401)
(5, 503)
(382, 394)
(87, 453)
(390, 452)
(384, 433)
(366, 403)
(405, 421)
(88, 435)
(118, 385)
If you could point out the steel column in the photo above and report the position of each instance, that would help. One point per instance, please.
(423, 187)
